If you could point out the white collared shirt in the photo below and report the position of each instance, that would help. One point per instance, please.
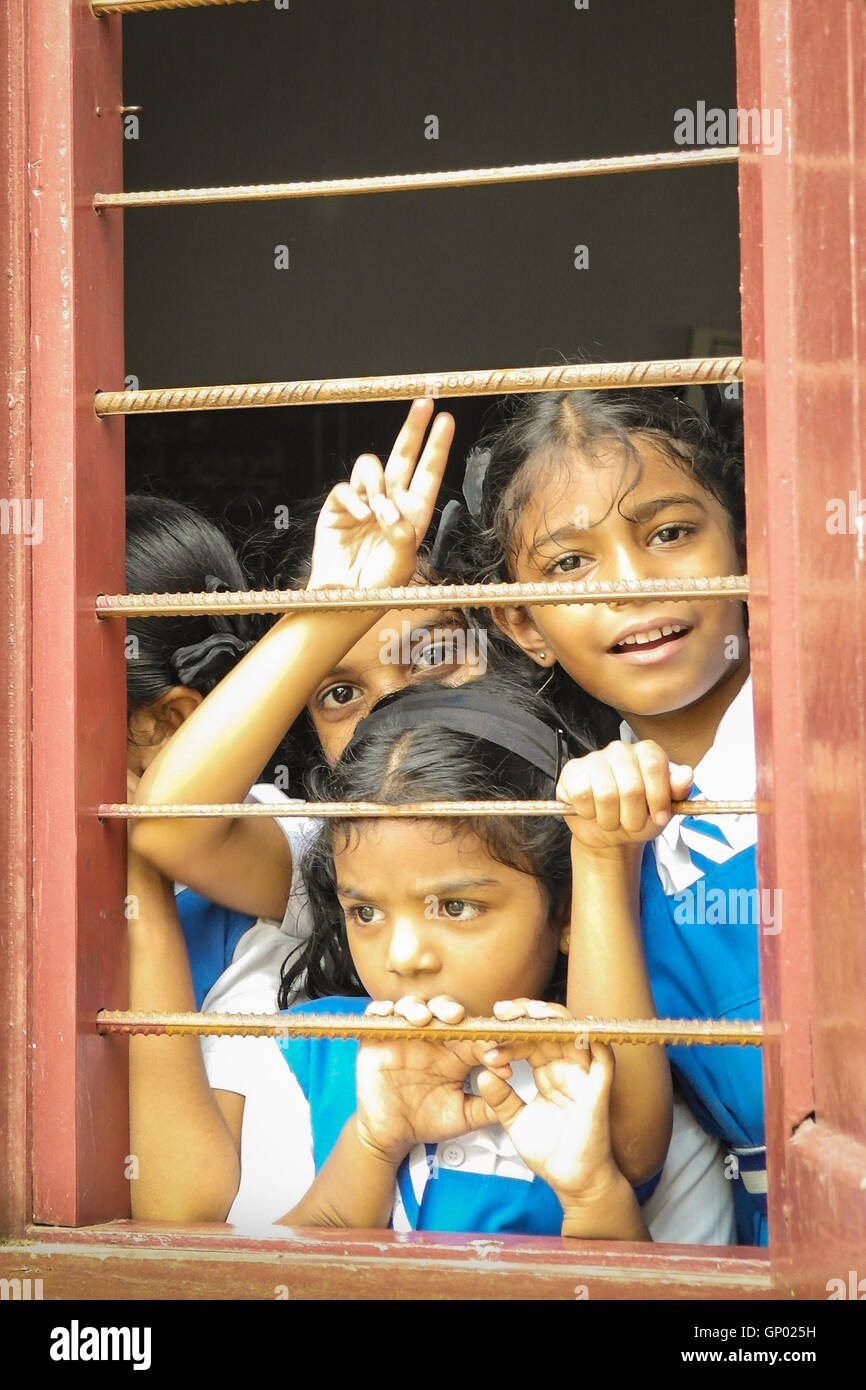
(251, 982)
(726, 772)
(254, 1067)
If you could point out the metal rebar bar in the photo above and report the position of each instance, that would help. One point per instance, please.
(581, 1031)
(414, 596)
(600, 376)
(368, 810)
(406, 183)
(127, 7)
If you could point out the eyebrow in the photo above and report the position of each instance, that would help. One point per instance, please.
(338, 673)
(446, 619)
(645, 512)
(438, 890)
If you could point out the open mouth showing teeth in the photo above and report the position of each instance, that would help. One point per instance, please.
(648, 641)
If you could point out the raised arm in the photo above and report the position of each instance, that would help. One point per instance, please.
(621, 798)
(184, 1137)
(367, 535)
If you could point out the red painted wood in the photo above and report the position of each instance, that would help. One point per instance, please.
(825, 1172)
(79, 1079)
(803, 312)
(803, 324)
(15, 558)
(128, 1260)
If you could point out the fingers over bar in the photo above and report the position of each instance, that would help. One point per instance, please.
(367, 810)
(702, 1032)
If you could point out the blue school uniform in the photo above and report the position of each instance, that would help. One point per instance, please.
(211, 933)
(473, 1183)
(700, 917)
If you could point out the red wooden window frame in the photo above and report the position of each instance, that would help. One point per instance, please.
(62, 705)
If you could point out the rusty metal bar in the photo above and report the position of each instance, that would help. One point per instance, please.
(445, 596)
(596, 376)
(104, 7)
(705, 1032)
(367, 810)
(406, 183)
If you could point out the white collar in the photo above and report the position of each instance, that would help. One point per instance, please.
(727, 771)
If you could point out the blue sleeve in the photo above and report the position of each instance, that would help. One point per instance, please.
(643, 1191)
(324, 1068)
(211, 934)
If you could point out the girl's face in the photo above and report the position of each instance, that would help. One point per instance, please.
(431, 913)
(405, 648)
(647, 658)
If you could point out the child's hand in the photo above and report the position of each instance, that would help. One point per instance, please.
(622, 794)
(370, 528)
(563, 1135)
(411, 1091)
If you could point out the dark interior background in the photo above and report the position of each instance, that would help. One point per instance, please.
(467, 278)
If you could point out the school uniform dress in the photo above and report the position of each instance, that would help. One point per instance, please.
(701, 914)
(476, 1182)
(236, 963)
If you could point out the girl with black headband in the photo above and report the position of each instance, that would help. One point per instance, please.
(426, 919)
(431, 919)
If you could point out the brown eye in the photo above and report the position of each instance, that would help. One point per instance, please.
(339, 695)
(668, 535)
(365, 914)
(569, 564)
(436, 654)
(458, 909)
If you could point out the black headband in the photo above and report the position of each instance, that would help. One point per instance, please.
(472, 710)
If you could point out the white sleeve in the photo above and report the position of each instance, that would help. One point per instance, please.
(250, 984)
(693, 1203)
(277, 1165)
(298, 830)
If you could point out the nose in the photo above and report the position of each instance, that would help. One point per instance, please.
(625, 565)
(410, 949)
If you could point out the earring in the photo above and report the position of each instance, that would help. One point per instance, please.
(542, 657)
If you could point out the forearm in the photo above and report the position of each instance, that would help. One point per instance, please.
(612, 1213)
(244, 718)
(354, 1189)
(186, 1160)
(607, 978)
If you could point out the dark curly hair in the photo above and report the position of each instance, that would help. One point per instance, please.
(171, 547)
(430, 763)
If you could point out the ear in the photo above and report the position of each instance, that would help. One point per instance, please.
(151, 726)
(174, 707)
(519, 627)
